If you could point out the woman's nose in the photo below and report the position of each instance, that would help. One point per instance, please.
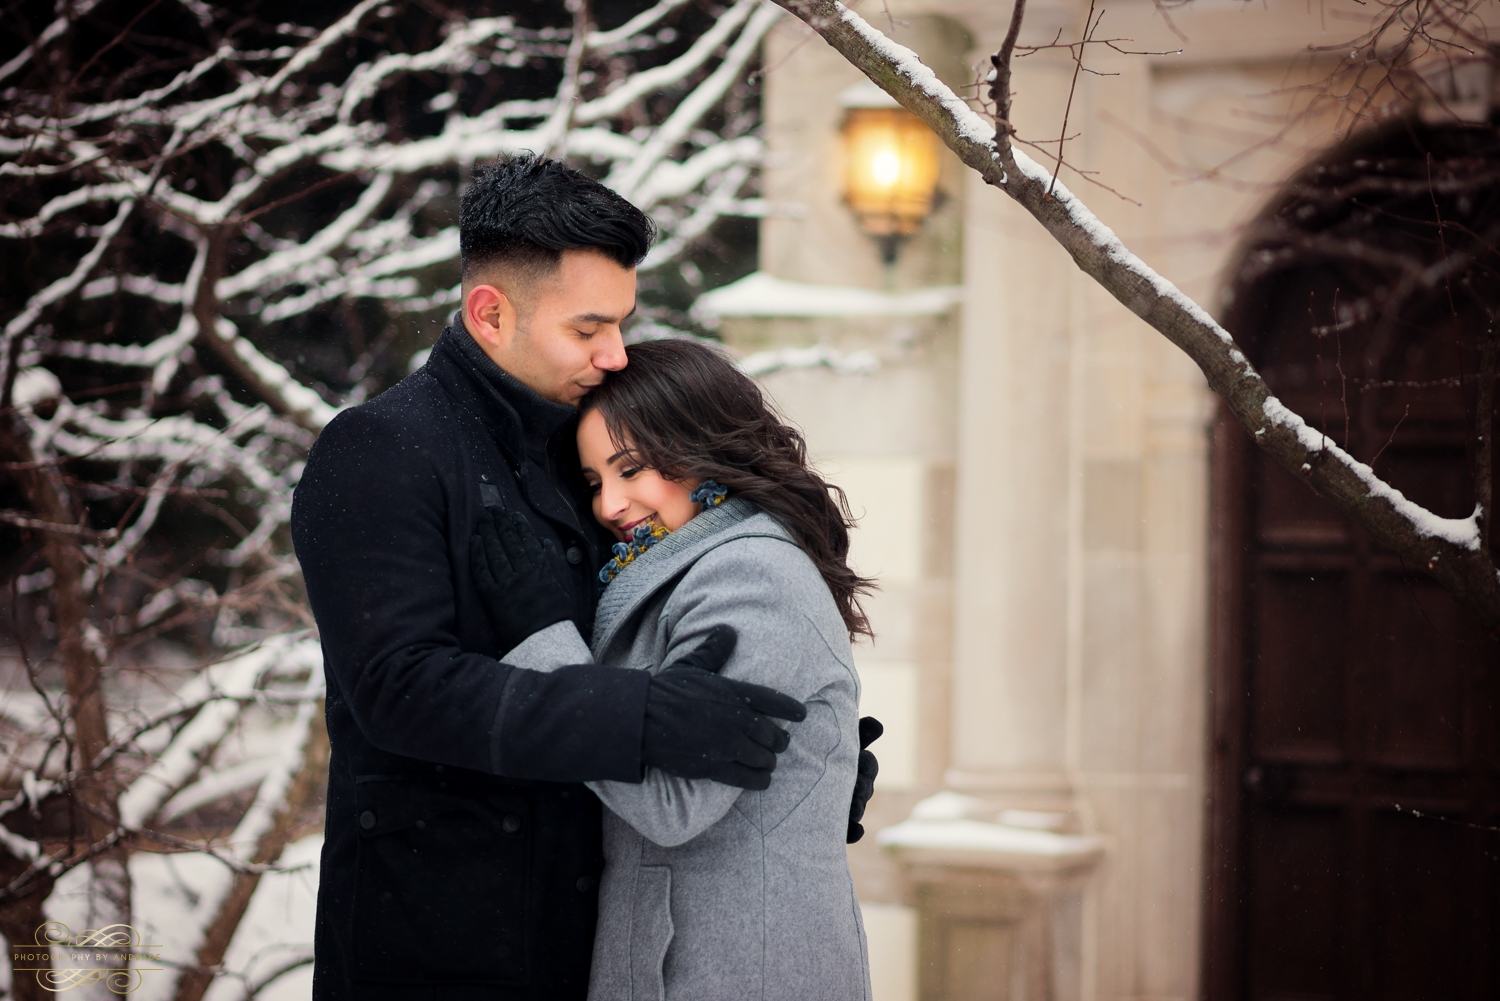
(612, 501)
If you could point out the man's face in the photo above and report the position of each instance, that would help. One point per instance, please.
(560, 334)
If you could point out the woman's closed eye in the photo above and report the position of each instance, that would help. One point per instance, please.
(626, 474)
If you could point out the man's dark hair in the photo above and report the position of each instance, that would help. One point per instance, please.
(524, 211)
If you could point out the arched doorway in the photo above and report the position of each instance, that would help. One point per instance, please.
(1355, 786)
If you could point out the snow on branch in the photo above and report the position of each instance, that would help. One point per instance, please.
(641, 84)
(222, 691)
(50, 34)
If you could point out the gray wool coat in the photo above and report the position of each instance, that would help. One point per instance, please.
(712, 893)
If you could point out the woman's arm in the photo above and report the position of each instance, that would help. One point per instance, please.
(664, 808)
(767, 590)
(548, 649)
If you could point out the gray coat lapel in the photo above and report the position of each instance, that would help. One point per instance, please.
(669, 557)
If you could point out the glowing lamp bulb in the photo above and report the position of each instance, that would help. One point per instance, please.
(890, 170)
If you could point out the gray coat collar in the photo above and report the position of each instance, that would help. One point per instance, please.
(735, 518)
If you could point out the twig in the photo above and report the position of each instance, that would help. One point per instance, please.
(1322, 381)
(252, 990)
(53, 866)
(1338, 363)
(1392, 437)
(1446, 820)
(1000, 78)
(1090, 24)
(1086, 175)
(1484, 433)
(22, 520)
(556, 126)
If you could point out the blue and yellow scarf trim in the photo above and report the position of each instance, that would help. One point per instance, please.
(649, 533)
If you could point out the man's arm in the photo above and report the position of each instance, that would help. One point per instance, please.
(666, 809)
(369, 525)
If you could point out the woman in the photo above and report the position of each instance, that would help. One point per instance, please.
(709, 891)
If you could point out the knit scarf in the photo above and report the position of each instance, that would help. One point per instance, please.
(649, 532)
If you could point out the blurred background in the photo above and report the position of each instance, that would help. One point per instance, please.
(1160, 724)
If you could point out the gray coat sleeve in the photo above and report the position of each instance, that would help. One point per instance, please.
(664, 808)
(548, 649)
(763, 588)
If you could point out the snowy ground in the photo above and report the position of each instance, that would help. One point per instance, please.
(169, 891)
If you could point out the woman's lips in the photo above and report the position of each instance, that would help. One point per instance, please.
(625, 530)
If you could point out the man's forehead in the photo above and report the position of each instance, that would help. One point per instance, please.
(589, 287)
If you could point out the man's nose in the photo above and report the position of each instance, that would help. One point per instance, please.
(610, 354)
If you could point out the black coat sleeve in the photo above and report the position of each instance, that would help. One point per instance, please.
(371, 525)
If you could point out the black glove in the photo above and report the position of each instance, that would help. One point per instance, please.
(864, 778)
(516, 574)
(702, 726)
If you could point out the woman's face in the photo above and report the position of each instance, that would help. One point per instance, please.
(626, 493)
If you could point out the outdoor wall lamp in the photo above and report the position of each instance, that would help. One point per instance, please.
(891, 166)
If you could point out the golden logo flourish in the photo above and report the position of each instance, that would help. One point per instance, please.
(115, 938)
(117, 981)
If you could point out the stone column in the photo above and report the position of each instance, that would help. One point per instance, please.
(1014, 524)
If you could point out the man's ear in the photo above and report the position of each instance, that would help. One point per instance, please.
(490, 316)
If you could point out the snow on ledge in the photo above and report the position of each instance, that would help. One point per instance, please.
(938, 822)
(853, 363)
(760, 294)
(979, 836)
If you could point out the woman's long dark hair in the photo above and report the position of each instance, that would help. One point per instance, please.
(684, 410)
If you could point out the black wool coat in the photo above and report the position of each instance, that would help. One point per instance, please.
(462, 856)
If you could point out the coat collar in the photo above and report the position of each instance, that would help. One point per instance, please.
(514, 414)
(735, 518)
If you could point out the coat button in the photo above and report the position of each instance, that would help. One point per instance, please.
(511, 824)
(584, 884)
(574, 554)
(367, 820)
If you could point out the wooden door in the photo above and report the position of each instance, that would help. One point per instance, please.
(1355, 811)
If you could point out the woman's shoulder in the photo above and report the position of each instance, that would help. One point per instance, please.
(760, 566)
(762, 542)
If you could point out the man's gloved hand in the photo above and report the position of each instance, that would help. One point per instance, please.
(864, 780)
(702, 726)
(515, 572)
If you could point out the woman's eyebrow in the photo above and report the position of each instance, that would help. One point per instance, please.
(618, 455)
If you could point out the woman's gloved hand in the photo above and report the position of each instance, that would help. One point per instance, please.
(870, 730)
(515, 573)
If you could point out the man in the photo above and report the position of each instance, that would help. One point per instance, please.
(462, 854)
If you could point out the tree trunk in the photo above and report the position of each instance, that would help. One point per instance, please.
(95, 795)
(19, 921)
